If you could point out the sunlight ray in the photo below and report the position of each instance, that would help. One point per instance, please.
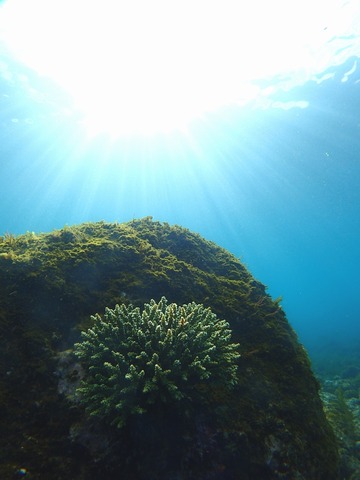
(146, 67)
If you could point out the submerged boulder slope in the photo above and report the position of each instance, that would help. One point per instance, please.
(273, 425)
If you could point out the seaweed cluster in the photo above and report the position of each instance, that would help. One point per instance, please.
(337, 366)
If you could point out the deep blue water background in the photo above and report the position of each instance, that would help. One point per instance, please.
(279, 188)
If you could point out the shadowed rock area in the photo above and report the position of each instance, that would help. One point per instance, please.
(271, 425)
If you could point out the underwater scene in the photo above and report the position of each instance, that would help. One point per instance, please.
(179, 240)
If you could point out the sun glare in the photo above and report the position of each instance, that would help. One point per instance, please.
(149, 66)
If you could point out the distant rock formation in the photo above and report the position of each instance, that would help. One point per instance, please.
(270, 426)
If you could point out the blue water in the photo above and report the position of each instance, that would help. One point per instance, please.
(277, 187)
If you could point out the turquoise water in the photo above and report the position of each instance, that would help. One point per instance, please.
(275, 181)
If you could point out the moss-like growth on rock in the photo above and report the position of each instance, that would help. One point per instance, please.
(271, 425)
(160, 355)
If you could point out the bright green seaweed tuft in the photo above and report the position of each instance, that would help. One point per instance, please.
(163, 354)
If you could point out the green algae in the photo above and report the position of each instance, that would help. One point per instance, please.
(272, 425)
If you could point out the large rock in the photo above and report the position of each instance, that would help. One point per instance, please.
(272, 424)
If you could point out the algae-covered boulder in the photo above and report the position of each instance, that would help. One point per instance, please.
(269, 425)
